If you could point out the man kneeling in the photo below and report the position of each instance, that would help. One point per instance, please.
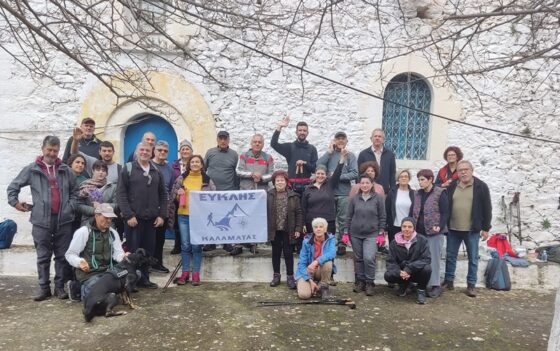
(316, 261)
(409, 260)
(94, 249)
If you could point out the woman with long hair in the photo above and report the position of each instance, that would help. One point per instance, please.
(194, 178)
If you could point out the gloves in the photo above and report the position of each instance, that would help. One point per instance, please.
(380, 240)
(345, 239)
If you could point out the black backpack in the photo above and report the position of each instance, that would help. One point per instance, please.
(496, 275)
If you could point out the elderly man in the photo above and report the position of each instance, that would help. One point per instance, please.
(88, 144)
(384, 157)
(53, 192)
(160, 160)
(221, 163)
(254, 169)
(330, 160)
(150, 139)
(470, 219)
(95, 247)
(300, 155)
(106, 152)
(142, 199)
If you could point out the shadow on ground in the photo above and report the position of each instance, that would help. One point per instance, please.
(219, 316)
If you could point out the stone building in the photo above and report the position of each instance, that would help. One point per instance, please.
(251, 92)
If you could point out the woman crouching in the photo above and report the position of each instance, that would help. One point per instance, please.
(316, 261)
(409, 260)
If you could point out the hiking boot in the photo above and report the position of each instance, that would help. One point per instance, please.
(325, 291)
(176, 251)
(146, 284)
(237, 250)
(420, 296)
(159, 268)
(290, 280)
(359, 286)
(275, 280)
(183, 279)
(42, 295)
(73, 293)
(195, 279)
(435, 292)
(369, 288)
(447, 285)
(210, 247)
(402, 289)
(471, 292)
(60, 293)
(226, 247)
(341, 251)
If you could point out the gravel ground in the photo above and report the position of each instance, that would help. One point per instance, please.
(219, 316)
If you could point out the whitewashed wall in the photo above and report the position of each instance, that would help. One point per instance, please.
(259, 92)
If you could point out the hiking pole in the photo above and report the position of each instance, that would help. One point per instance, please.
(173, 275)
(345, 302)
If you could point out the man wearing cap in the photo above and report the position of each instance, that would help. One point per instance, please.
(89, 144)
(220, 163)
(54, 195)
(95, 247)
(142, 199)
(179, 166)
(106, 152)
(330, 160)
(300, 155)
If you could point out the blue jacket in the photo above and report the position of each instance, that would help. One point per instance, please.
(308, 251)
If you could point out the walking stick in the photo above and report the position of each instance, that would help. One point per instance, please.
(344, 302)
(173, 275)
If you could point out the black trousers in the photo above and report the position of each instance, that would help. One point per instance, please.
(392, 231)
(421, 277)
(142, 236)
(160, 241)
(281, 244)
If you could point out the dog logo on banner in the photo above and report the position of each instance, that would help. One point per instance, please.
(228, 217)
(224, 223)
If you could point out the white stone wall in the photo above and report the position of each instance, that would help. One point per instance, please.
(258, 92)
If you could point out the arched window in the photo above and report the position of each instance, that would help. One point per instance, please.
(406, 130)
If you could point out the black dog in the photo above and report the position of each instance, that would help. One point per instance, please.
(121, 280)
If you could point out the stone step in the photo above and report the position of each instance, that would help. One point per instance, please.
(219, 266)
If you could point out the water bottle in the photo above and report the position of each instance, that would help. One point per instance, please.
(544, 256)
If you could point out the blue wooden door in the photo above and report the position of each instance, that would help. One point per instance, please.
(150, 123)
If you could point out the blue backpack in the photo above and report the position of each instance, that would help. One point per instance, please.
(8, 229)
(497, 275)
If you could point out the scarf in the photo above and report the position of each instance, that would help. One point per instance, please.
(91, 188)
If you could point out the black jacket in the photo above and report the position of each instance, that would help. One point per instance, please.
(481, 206)
(390, 208)
(388, 166)
(412, 260)
(137, 198)
(297, 150)
(319, 202)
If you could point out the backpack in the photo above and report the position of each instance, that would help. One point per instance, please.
(8, 229)
(496, 275)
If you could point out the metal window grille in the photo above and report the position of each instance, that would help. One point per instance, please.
(407, 131)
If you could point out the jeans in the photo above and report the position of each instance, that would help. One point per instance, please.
(471, 240)
(364, 257)
(187, 249)
(341, 204)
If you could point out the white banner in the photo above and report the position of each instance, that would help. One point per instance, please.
(227, 217)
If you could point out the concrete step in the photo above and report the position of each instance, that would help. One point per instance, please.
(219, 266)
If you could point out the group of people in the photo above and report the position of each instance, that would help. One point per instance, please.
(317, 207)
